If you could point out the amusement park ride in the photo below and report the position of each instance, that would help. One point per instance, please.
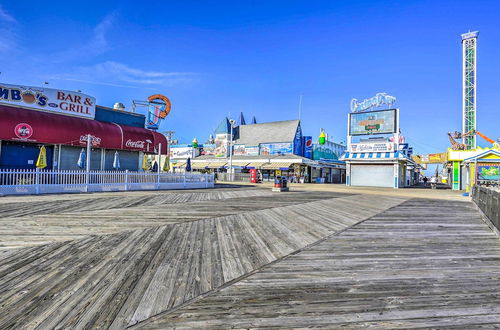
(462, 146)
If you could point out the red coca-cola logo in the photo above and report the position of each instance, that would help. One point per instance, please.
(23, 131)
(135, 144)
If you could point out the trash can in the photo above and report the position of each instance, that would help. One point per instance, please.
(277, 182)
(280, 184)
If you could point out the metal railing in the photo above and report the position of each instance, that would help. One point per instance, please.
(19, 181)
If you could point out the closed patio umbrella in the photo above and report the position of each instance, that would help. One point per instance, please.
(188, 165)
(116, 161)
(145, 166)
(82, 159)
(166, 165)
(42, 158)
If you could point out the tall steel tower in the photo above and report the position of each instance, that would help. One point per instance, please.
(469, 80)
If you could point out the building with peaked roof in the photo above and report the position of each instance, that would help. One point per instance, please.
(272, 132)
(272, 149)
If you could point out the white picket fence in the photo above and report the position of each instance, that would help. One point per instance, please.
(19, 182)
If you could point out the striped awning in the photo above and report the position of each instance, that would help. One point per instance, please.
(216, 165)
(370, 155)
(180, 164)
(199, 165)
(255, 165)
(276, 166)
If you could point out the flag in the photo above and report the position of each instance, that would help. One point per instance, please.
(116, 161)
(166, 165)
(42, 158)
(145, 166)
(82, 159)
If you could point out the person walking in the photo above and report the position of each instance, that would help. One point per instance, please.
(425, 181)
(433, 182)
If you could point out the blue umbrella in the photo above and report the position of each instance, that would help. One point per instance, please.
(116, 161)
(188, 165)
(82, 159)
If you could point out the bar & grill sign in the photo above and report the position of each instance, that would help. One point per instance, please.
(47, 99)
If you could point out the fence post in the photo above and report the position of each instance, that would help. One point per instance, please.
(158, 177)
(184, 183)
(206, 180)
(37, 181)
(126, 180)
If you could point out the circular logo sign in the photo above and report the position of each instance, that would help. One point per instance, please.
(309, 143)
(23, 131)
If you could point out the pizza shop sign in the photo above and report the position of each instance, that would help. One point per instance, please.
(46, 99)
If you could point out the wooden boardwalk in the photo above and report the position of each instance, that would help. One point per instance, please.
(419, 264)
(245, 258)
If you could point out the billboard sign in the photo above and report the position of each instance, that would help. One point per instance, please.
(373, 122)
(372, 147)
(275, 148)
(488, 173)
(50, 100)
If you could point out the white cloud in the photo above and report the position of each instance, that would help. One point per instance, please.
(121, 75)
(5, 16)
(97, 44)
(7, 34)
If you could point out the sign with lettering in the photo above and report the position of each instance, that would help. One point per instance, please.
(47, 99)
(376, 101)
(372, 147)
(373, 122)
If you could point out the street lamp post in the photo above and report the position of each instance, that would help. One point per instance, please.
(231, 122)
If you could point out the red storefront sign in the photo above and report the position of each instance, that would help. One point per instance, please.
(19, 124)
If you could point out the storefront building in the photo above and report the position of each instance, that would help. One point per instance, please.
(467, 168)
(376, 153)
(62, 122)
(273, 149)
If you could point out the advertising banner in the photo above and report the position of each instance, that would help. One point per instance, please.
(181, 152)
(431, 158)
(275, 148)
(488, 173)
(373, 122)
(239, 149)
(208, 149)
(308, 147)
(47, 99)
(221, 145)
(298, 149)
(372, 147)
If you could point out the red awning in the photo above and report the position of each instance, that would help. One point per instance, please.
(19, 124)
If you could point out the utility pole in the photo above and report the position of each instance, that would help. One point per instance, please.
(231, 122)
(300, 106)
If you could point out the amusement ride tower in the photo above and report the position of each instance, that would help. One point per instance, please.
(469, 80)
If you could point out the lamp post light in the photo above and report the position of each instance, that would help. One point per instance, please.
(231, 122)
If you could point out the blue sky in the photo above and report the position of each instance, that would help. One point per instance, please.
(212, 58)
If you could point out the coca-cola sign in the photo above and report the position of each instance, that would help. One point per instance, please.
(23, 131)
(96, 141)
(135, 144)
